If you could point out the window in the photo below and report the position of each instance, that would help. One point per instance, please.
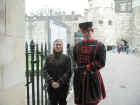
(110, 22)
(90, 5)
(100, 22)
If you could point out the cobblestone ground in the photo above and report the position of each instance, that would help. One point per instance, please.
(121, 77)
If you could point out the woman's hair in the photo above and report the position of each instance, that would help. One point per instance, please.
(52, 60)
(58, 40)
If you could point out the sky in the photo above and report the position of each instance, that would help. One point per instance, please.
(68, 5)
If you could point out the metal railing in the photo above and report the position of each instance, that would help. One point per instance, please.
(36, 93)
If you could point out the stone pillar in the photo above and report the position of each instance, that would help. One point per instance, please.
(136, 27)
(136, 19)
(2, 31)
(12, 65)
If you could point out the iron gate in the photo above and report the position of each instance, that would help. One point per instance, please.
(35, 84)
(36, 92)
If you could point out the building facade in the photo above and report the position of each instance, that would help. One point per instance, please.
(135, 24)
(37, 29)
(111, 19)
(102, 15)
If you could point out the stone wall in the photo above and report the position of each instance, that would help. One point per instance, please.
(12, 65)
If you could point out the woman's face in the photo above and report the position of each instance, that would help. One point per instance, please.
(58, 46)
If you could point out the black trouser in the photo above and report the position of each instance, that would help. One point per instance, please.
(58, 96)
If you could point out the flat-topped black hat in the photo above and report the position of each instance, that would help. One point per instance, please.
(85, 26)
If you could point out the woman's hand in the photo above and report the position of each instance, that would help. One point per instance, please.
(55, 85)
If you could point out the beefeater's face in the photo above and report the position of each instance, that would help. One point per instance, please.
(86, 34)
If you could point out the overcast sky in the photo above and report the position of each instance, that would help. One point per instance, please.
(68, 5)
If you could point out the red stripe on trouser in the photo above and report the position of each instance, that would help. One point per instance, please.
(98, 74)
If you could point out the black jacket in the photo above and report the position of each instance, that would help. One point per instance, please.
(57, 69)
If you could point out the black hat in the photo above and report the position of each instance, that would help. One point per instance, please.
(85, 26)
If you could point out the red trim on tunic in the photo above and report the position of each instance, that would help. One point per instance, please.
(96, 101)
(88, 67)
(98, 64)
(90, 40)
(84, 58)
(93, 64)
(86, 49)
(77, 50)
(100, 84)
(96, 50)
